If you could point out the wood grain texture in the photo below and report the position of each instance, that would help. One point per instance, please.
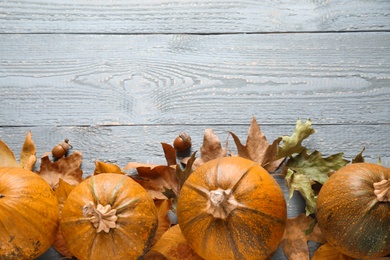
(191, 79)
(200, 16)
(123, 144)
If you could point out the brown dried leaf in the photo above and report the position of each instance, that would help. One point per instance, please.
(294, 241)
(210, 149)
(102, 167)
(164, 223)
(66, 168)
(157, 179)
(328, 252)
(173, 246)
(7, 157)
(258, 149)
(170, 154)
(27, 155)
(62, 193)
(135, 165)
(155, 189)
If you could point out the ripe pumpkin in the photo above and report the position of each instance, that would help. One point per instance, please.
(232, 208)
(353, 210)
(29, 215)
(108, 216)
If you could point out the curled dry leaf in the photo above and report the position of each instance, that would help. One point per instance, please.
(258, 149)
(164, 223)
(27, 155)
(66, 168)
(62, 193)
(157, 180)
(7, 157)
(102, 167)
(294, 241)
(328, 252)
(173, 246)
(305, 170)
(210, 149)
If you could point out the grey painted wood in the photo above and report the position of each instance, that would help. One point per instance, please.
(123, 144)
(200, 16)
(119, 77)
(338, 78)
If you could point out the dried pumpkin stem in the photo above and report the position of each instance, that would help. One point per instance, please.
(102, 217)
(382, 190)
(221, 203)
(1, 195)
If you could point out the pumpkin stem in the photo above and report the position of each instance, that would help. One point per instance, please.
(102, 217)
(221, 203)
(382, 190)
(1, 195)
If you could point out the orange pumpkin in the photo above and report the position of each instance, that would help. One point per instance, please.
(29, 215)
(108, 216)
(353, 210)
(232, 208)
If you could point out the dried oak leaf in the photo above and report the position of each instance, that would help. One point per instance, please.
(294, 241)
(293, 144)
(328, 252)
(27, 155)
(305, 170)
(173, 246)
(157, 178)
(164, 223)
(258, 149)
(66, 168)
(62, 193)
(102, 167)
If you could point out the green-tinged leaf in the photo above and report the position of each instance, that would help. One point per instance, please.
(314, 166)
(293, 144)
(7, 157)
(359, 158)
(170, 194)
(183, 174)
(297, 181)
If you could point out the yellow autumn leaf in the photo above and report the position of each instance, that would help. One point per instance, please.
(27, 155)
(7, 157)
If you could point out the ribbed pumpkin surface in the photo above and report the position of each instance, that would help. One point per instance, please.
(29, 215)
(251, 224)
(134, 228)
(349, 214)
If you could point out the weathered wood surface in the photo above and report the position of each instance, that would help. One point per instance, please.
(187, 79)
(200, 16)
(119, 77)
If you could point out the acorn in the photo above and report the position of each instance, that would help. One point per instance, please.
(182, 142)
(61, 149)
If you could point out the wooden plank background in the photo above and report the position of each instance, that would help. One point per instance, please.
(119, 77)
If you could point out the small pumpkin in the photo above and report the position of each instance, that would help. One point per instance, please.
(29, 215)
(353, 210)
(232, 208)
(108, 216)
